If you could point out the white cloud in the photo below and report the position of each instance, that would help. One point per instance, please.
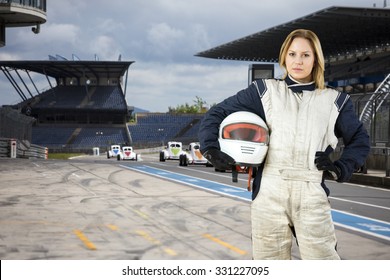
(23, 43)
(59, 33)
(110, 26)
(163, 38)
(9, 56)
(105, 47)
(156, 87)
(162, 32)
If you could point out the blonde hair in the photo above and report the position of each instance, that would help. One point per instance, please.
(319, 61)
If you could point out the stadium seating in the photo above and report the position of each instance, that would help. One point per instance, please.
(62, 129)
(158, 127)
(63, 97)
(78, 138)
(53, 137)
(149, 128)
(99, 137)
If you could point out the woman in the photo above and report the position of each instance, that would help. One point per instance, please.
(305, 120)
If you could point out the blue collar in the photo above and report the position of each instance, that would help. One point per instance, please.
(295, 86)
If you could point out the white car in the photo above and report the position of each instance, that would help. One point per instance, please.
(172, 151)
(127, 153)
(193, 156)
(113, 151)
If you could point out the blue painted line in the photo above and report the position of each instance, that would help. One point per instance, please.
(223, 189)
(362, 224)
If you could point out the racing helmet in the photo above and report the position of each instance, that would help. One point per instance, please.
(245, 137)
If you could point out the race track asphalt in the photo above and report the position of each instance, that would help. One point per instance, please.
(92, 208)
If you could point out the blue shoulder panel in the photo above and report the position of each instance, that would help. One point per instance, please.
(341, 99)
(260, 86)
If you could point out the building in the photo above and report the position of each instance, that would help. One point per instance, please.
(21, 13)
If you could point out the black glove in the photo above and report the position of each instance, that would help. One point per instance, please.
(219, 159)
(323, 162)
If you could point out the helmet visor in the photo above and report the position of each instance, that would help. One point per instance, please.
(246, 132)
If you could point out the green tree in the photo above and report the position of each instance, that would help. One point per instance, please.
(197, 107)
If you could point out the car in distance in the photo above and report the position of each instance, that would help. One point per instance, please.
(172, 151)
(193, 156)
(127, 153)
(113, 151)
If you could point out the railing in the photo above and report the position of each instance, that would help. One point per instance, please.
(374, 104)
(38, 4)
(374, 109)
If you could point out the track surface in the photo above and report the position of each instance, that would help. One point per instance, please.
(99, 208)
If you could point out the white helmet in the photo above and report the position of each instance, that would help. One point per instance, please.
(244, 136)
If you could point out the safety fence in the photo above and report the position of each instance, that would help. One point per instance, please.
(15, 125)
(379, 157)
(13, 148)
(373, 109)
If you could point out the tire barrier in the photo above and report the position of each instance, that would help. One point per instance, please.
(14, 148)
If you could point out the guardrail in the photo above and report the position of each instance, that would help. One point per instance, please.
(14, 148)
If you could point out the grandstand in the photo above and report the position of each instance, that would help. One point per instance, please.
(156, 129)
(84, 106)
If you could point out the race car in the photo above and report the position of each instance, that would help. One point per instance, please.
(127, 153)
(113, 151)
(193, 156)
(172, 151)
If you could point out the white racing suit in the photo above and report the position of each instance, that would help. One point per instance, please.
(289, 191)
(291, 194)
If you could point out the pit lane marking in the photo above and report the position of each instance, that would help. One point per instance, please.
(369, 226)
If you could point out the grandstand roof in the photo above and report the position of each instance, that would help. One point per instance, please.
(68, 68)
(344, 31)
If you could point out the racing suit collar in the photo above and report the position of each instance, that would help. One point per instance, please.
(295, 86)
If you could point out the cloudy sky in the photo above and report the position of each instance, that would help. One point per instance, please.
(162, 37)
